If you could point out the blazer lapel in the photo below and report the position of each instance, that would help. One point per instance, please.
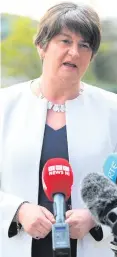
(35, 123)
(88, 143)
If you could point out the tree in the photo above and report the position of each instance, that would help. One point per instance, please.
(19, 56)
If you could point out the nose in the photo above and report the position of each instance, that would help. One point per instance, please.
(73, 51)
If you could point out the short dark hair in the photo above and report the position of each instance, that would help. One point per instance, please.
(76, 17)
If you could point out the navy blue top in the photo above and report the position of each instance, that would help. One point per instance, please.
(54, 146)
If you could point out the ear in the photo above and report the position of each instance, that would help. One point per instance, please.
(41, 52)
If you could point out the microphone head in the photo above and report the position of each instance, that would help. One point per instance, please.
(110, 167)
(57, 177)
(100, 196)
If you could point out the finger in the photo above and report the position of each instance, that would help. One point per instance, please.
(38, 234)
(48, 215)
(42, 229)
(69, 213)
(45, 223)
(72, 221)
(35, 237)
(43, 234)
(35, 234)
(69, 221)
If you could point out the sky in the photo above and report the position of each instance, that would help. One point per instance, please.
(36, 8)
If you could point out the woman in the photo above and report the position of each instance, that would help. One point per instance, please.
(56, 115)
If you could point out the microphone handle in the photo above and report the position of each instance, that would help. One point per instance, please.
(60, 230)
(59, 207)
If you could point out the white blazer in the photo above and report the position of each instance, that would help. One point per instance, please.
(91, 121)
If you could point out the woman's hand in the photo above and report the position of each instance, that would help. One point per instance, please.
(36, 220)
(80, 222)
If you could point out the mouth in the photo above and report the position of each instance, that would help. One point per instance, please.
(69, 64)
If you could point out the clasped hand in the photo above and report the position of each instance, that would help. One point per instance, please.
(37, 221)
(80, 222)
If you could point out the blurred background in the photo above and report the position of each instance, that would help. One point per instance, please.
(19, 58)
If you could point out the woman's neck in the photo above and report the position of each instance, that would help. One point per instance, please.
(58, 91)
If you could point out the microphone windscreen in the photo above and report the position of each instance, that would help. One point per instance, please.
(100, 195)
(57, 177)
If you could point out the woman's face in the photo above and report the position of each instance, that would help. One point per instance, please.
(66, 56)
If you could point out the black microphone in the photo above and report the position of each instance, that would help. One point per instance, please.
(100, 196)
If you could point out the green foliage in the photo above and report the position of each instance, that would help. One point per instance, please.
(19, 55)
(103, 70)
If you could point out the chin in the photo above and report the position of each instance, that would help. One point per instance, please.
(70, 78)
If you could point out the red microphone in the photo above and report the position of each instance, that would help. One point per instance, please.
(57, 180)
(57, 177)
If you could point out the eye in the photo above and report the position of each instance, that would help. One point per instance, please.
(84, 45)
(66, 41)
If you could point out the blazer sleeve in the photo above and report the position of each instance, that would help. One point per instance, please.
(97, 233)
(8, 207)
(8, 203)
(113, 121)
(115, 148)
